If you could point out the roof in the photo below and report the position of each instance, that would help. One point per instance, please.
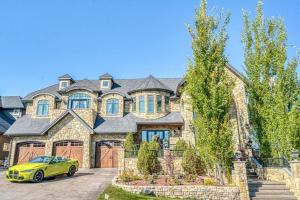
(10, 102)
(66, 77)
(26, 125)
(150, 83)
(122, 86)
(129, 122)
(105, 76)
(5, 121)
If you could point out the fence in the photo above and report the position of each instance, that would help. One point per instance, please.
(159, 153)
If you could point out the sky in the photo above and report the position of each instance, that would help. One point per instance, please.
(41, 40)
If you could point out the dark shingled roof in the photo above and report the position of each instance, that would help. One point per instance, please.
(150, 83)
(66, 76)
(105, 76)
(26, 125)
(129, 122)
(6, 120)
(122, 86)
(10, 102)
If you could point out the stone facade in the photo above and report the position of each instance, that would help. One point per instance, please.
(120, 99)
(239, 177)
(186, 191)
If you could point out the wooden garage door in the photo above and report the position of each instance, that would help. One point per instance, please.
(107, 154)
(27, 151)
(69, 149)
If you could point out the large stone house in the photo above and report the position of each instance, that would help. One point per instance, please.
(89, 119)
(11, 108)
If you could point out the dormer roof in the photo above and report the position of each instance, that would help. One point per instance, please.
(65, 77)
(105, 76)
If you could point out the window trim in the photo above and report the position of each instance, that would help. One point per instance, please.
(71, 100)
(42, 102)
(61, 84)
(105, 81)
(142, 97)
(113, 103)
(150, 103)
(158, 97)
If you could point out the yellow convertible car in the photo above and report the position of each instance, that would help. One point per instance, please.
(42, 167)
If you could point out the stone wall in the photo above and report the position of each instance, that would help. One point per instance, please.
(105, 97)
(186, 191)
(239, 177)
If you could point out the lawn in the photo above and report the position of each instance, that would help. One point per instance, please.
(119, 194)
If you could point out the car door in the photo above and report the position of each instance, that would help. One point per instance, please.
(62, 165)
(53, 167)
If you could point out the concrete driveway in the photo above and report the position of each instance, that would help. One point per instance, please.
(86, 184)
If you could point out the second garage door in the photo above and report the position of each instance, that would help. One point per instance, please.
(69, 149)
(28, 150)
(107, 154)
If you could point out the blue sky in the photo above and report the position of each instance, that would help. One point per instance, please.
(41, 40)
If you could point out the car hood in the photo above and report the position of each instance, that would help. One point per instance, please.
(26, 166)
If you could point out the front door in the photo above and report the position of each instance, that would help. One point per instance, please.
(107, 154)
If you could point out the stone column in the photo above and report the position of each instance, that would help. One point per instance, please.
(240, 179)
(121, 160)
(295, 169)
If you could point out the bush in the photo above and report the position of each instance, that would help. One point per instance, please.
(181, 145)
(192, 162)
(190, 178)
(147, 162)
(128, 176)
(129, 145)
(209, 182)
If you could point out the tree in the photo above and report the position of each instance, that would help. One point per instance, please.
(272, 85)
(129, 145)
(210, 89)
(192, 163)
(147, 162)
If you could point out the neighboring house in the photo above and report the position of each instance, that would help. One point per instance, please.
(89, 119)
(11, 108)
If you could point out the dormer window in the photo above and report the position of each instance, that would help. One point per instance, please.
(105, 84)
(64, 84)
(112, 106)
(42, 108)
(79, 101)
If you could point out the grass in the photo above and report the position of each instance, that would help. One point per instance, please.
(116, 193)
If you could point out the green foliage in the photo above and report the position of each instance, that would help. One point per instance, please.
(129, 145)
(210, 89)
(147, 162)
(272, 84)
(192, 163)
(128, 176)
(181, 145)
(209, 182)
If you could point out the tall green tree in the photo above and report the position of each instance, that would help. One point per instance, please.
(272, 84)
(210, 90)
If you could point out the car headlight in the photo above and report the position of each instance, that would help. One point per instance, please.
(27, 171)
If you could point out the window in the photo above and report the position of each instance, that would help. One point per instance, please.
(150, 104)
(158, 103)
(141, 104)
(133, 104)
(162, 134)
(79, 101)
(64, 84)
(112, 106)
(105, 84)
(42, 108)
(6, 147)
(167, 103)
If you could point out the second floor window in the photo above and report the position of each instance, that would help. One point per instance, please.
(42, 108)
(167, 103)
(112, 106)
(158, 103)
(79, 101)
(150, 104)
(133, 104)
(141, 104)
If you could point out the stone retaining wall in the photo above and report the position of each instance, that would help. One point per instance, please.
(186, 191)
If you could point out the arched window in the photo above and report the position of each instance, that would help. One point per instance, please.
(79, 101)
(112, 106)
(42, 108)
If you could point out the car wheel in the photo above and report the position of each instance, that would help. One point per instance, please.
(38, 177)
(72, 171)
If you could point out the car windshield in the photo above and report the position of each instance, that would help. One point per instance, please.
(40, 159)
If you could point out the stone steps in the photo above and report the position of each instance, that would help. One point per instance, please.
(265, 190)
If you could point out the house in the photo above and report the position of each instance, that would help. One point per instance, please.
(89, 119)
(11, 108)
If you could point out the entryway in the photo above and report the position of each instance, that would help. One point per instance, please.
(107, 154)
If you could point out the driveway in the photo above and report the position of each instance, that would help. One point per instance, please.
(86, 184)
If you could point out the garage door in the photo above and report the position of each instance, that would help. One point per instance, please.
(107, 154)
(69, 149)
(28, 150)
